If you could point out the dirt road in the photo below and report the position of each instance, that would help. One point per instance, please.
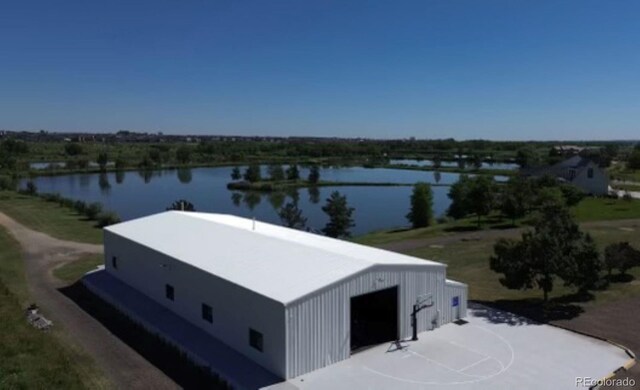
(122, 366)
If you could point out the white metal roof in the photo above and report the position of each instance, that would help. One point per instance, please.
(280, 263)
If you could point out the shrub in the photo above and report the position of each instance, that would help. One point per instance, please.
(106, 219)
(54, 198)
(7, 183)
(31, 188)
(92, 210)
(79, 206)
(66, 202)
(627, 196)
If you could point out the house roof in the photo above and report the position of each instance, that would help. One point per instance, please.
(559, 169)
(280, 263)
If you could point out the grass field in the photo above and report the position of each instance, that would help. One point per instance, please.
(605, 209)
(73, 271)
(589, 209)
(51, 219)
(468, 261)
(29, 358)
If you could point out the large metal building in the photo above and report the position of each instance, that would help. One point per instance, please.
(289, 300)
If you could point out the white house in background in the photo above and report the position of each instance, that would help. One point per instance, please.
(289, 300)
(579, 171)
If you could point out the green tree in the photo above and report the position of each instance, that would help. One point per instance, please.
(621, 256)
(235, 173)
(182, 205)
(106, 219)
(93, 210)
(253, 174)
(477, 161)
(634, 159)
(291, 216)
(516, 198)
(73, 149)
(314, 174)
(340, 216)
(527, 157)
(421, 212)
(155, 155)
(459, 195)
(549, 196)
(555, 249)
(436, 161)
(276, 173)
(482, 195)
(120, 163)
(102, 160)
(572, 194)
(293, 173)
(183, 154)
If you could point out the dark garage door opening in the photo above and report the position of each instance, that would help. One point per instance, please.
(374, 318)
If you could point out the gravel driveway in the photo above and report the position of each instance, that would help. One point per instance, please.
(120, 364)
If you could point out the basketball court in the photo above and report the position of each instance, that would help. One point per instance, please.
(493, 349)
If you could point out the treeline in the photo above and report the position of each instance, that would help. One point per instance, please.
(16, 154)
(93, 211)
(481, 196)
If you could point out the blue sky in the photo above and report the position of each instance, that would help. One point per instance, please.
(506, 69)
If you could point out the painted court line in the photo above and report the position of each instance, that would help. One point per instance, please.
(475, 364)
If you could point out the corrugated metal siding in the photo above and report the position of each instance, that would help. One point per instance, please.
(450, 312)
(318, 327)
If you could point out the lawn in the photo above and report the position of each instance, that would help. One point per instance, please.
(57, 221)
(468, 261)
(605, 209)
(589, 209)
(30, 358)
(71, 272)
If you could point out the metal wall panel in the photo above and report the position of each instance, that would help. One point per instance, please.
(235, 309)
(451, 312)
(318, 326)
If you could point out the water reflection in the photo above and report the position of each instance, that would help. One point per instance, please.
(294, 194)
(236, 198)
(184, 175)
(252, 199)
(314, 195)
(276, 199)
(103, 183)
(145, 192)
(120, 175)
(146, 175)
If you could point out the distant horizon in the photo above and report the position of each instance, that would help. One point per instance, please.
(433, 69)
(163, 133)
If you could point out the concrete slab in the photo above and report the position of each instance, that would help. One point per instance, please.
(495, 350)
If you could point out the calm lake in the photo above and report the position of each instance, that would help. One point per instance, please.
(135, 194)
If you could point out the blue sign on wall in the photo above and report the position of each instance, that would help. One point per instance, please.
(455, 301)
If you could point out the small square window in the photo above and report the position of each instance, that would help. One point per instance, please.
(168, 291)
(590, 173)
(207, 313)
(114, 262)
(255, 339)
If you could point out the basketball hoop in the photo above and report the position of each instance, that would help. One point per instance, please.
(424, 301)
